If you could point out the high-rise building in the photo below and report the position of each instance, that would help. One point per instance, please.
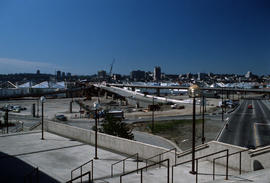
(157, 73)
(58, 75)
(102, 74)
(137, 75)
(63, 75)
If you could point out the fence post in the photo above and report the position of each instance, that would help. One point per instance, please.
(240, 163)
(172, 174)
(141, 176)
(111, 170)
(137, 156)
(92, 170)
(81, 174)
(168, 171)
(123, 166)
(159, 157)
(227, 164)
(175, 152)
(214, 169)
(197, 170)
(71, 175)
(146, 162)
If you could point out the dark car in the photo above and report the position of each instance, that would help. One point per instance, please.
(61, 117)
(250, 106)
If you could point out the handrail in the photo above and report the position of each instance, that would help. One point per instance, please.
(188, 151)
(124, 160)
(201, 157)
(29, 175)
(240, 161)
(141, 169)
(80, 176)
(258, 151)
(80, 167)
(159, 155)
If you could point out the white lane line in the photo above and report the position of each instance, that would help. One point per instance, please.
(256, 134)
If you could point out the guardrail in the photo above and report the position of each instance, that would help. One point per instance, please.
(260, 151)
(124, 160)
(240, 161)
(159, 155)
(141, 170)
(189, 151)
(81, 176)
(197, 163)
(80, 167)
(29, 176)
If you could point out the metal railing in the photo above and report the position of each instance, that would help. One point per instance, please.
(262, 150)
(80, 167)
(124, 161)
(240, 161)
(141, 170)
(189, 151)
(81, 176)
(159, 156)
(201, 157)
(29, 176)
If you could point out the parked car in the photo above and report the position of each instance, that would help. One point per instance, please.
(61, 117)
(250, 106)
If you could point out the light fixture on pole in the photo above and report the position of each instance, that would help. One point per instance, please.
(42, 100)
(193, 91)
(96, 106)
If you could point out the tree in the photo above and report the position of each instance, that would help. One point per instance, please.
(115, 126)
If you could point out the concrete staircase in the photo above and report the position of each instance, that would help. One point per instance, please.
(181, 174)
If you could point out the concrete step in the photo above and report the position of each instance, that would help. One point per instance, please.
(181, 174)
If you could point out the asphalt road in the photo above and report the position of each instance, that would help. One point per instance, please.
(248, 127)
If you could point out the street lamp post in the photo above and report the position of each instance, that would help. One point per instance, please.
(42, 99)
(203, 138)
(194, 91)
(153, 108)
(96, 106)
(222, 113)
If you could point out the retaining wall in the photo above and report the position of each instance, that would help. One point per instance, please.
(113, 143)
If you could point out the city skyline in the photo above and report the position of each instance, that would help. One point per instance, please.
(83, 37)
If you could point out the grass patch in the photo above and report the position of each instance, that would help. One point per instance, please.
(165, 126)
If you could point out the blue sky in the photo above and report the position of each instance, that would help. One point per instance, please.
(180, 36)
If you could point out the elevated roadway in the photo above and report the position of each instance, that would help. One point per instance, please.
(267, 91)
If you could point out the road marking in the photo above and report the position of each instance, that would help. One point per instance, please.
(262, 124)
(255, 134)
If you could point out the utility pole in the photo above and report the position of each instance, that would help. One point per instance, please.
(203, 138)
(38, 108)
(222, 115)
(96, 124)
(6, 119)
(153, 108)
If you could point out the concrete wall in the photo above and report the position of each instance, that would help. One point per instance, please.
(145, 151)
(116, 144)
(215, 146)
(261, 155)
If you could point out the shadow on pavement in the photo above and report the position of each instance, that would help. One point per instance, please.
(14, 170)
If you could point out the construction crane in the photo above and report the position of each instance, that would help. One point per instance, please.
(110, 73)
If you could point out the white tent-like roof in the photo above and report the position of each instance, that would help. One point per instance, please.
(44, 84)
(25, 85)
